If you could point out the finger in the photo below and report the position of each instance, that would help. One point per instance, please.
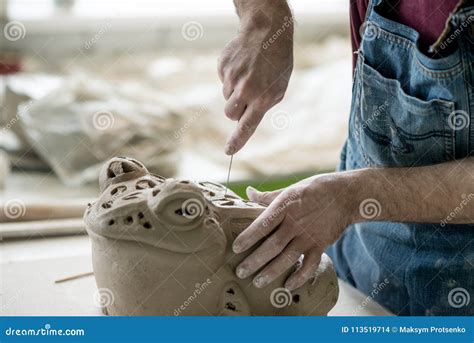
(310, 265)
(262, 197)
(245, 128)
(280, 264)
(220, 67)
(270, 248)
(265, 223)
(231, 77)
(227, 89)
(235, 107)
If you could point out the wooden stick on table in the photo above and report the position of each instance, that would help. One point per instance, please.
(17, 210)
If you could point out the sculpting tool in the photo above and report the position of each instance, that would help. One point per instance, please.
(74, 277)
(228, 175)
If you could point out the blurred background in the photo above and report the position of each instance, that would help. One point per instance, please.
(85, 80)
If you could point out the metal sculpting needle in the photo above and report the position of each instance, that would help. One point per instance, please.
(228, 175)
(230, 166)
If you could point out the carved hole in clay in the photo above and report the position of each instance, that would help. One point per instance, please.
(210, 221)
(179, 212)
(119, 189)
(144, 184)
(227, 203)
(131, 196)
(158, 178)
(110, 173)
(155, 192)
(147, 225)
(184, 182)
(128, 220)
(230, 291)
(230, 306)
(111, 222)
(296, 298)
(141, 215)
(230, 196)
(127, 168)
(107, 204)
(211, 185)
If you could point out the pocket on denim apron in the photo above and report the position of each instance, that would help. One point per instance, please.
(397, 129)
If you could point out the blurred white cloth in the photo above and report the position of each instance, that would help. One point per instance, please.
(168, 112)
(304, 133)
(86, 121)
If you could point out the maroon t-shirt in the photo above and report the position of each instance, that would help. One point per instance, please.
(428, 17)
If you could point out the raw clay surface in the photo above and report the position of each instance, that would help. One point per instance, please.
(163, 247)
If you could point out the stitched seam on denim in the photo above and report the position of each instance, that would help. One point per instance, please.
(358, 124)
(453, 71)
(355, 110)
(471, 115)
(450, 140)
(470, 106)
(468, 71)
(396, 90)
(410, 46)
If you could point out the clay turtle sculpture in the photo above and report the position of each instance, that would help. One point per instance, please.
(163, 247)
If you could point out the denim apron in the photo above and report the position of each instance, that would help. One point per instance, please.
(410, 110)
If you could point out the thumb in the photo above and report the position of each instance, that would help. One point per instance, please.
(261, 197)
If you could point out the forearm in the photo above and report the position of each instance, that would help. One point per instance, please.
(442, 193)
(262, 14)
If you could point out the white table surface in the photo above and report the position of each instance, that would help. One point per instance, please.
(30, 267)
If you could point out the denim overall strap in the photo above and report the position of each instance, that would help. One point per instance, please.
(409, 109)
(463, 21)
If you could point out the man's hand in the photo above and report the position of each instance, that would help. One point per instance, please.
(309, 216)
(302, 219)
(255, 67)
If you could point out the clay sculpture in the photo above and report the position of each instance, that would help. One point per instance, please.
(163, 247)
